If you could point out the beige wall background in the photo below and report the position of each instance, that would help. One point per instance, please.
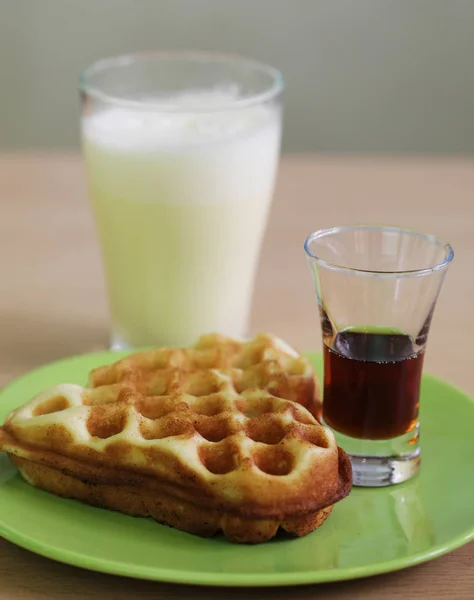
(362, 75)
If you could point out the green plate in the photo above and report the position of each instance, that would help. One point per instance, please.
(372, 531)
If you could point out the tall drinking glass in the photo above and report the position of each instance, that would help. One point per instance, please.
(181, 151)
(377, 289)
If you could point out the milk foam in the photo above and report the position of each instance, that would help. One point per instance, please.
(184, 157)
(177, 121)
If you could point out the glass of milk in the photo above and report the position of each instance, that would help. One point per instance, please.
(181, 151)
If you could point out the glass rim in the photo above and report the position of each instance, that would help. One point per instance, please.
(449, 252)
(124, 60)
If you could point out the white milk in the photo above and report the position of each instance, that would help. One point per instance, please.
(181, 201)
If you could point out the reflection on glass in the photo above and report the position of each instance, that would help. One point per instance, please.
(382, 525)
(7, 470)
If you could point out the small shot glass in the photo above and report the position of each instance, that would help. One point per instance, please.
(376, 289)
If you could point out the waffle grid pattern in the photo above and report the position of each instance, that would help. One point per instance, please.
(167, 406)
(222, 432)
(211, 438)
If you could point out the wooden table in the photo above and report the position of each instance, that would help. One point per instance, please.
(52, 304)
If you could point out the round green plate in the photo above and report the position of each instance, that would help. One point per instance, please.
(372, 531)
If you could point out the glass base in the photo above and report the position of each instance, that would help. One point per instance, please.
(117, 343)
(378, 463)
(372, 471)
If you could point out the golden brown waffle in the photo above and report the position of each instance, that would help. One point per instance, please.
(199, 448)
(265, 362)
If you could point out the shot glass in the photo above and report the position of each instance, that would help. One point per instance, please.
(181, 151)
(376, 289)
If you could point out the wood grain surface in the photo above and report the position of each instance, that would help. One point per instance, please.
(53, 304)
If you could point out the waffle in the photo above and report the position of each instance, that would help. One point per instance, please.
(265, 362)
(165, 434)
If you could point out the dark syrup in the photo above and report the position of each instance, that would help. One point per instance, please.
(371, 384)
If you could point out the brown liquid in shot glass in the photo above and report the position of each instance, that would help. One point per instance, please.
(371, 384)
